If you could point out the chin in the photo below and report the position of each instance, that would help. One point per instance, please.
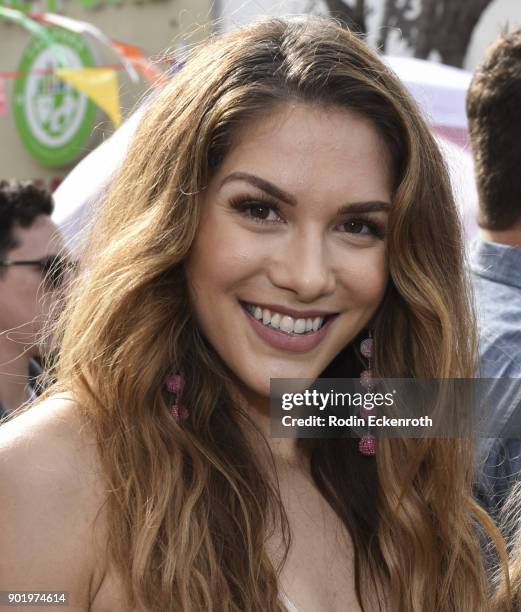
(261, 386)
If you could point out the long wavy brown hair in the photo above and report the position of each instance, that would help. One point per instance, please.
(507, 597)
(189, 506)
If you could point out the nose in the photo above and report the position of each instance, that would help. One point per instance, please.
(302, 265)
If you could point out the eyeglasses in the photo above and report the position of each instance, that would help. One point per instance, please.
(54, 268)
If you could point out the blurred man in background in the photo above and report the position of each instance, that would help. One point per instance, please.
(31, 263)
(493, 108)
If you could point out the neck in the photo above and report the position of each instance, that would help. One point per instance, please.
(285, 451)
(13, 374)
(509, 237)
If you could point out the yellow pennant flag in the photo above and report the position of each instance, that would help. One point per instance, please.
(98, 84)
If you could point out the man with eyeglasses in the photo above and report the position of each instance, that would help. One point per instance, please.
(32, 260)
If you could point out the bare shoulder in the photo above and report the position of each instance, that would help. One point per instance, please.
(48, 449)
(51, 418)
(52, 498)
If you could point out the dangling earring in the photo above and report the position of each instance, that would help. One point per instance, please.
(174, 384)
(367, 443)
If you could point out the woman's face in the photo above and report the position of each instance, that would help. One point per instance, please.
(289, 260)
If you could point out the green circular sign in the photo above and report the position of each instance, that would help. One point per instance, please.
(54, 120)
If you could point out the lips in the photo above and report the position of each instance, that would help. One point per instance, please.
(283, 310)
(279, 318)
(288, 341)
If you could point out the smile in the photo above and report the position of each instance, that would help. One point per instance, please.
(285, 323)
(285, 332)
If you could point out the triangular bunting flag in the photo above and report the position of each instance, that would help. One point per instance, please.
(141, 63)
(98, 84)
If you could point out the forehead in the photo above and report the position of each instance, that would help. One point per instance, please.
(305, 146)
(41, 238)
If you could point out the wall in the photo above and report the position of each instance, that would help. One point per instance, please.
(153, 25)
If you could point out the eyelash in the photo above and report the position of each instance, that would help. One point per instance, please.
(245, 204)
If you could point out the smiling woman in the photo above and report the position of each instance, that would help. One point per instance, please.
(282, 198)
(289, 263)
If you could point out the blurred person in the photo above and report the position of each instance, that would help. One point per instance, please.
(282, 202)
(493, 103)
(30, 261)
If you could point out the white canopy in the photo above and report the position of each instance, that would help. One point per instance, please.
(440, 90)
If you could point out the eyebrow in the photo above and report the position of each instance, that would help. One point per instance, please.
(283, 196)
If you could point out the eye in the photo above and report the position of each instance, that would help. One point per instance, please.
(363, 227)
(355, 226)
(262, 212)
(258, 211)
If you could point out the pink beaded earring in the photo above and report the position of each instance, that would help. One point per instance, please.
(174, 385)
(367, 443)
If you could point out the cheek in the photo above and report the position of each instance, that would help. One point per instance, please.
(365, 277)
(23, 291)
(222, 256)
(21, 304)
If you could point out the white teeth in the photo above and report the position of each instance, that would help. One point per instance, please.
(287, 324)
(283, 322)
(300, 326)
